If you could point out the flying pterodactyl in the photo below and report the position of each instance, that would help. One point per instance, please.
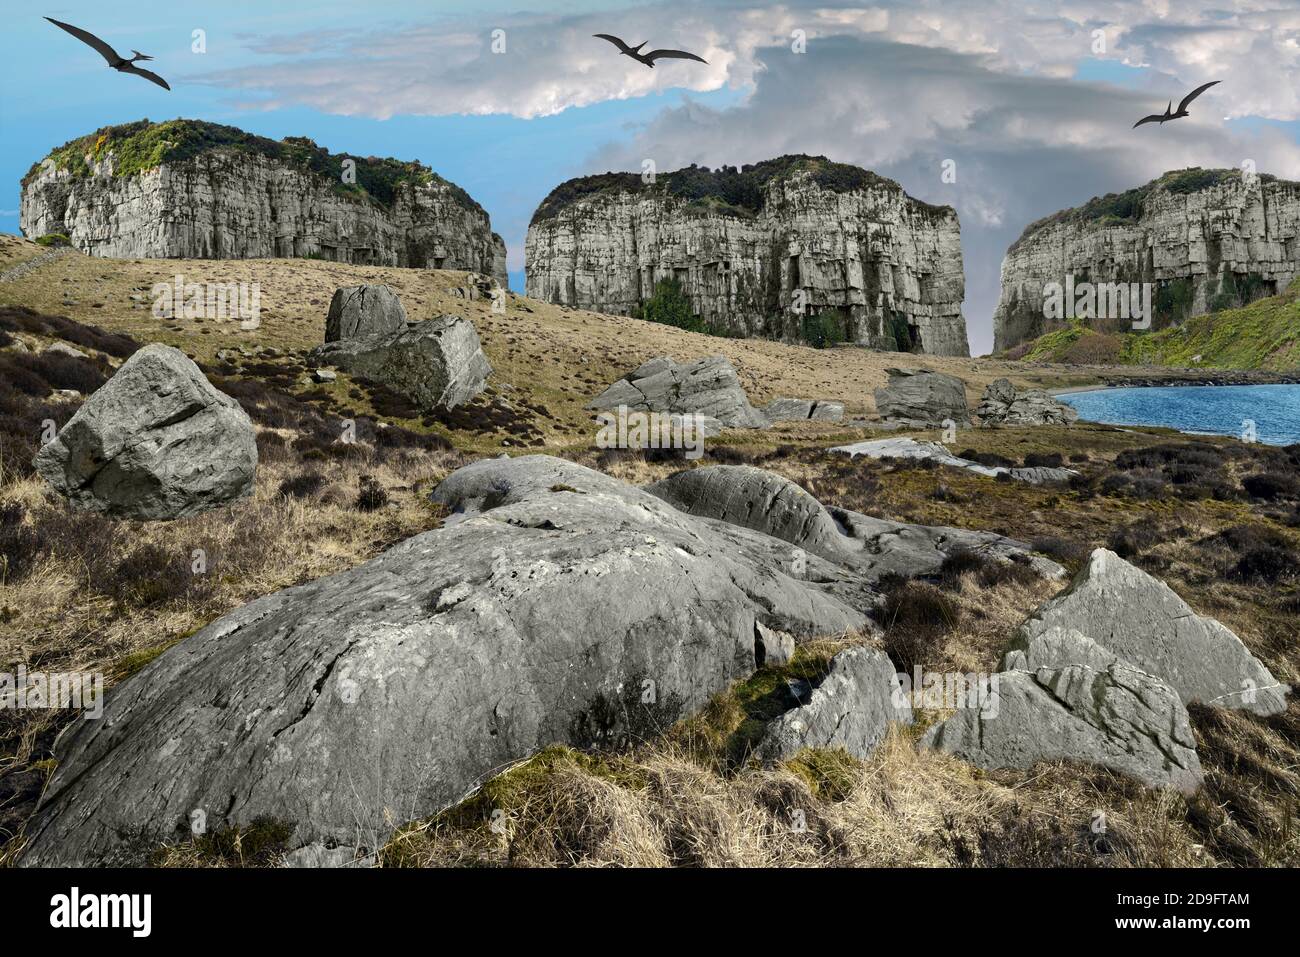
(648, 58)
(115, 59)
(1168, 114)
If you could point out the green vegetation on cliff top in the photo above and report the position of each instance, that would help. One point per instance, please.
(1262, 335)
(1126, 207)
(726, 190)
(143, 145)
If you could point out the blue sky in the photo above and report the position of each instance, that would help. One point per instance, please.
(1017, 94)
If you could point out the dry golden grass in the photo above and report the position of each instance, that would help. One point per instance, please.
(902, 807)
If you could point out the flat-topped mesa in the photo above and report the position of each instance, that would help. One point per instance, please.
(187, 189)
(1205, 239)
(758, 251)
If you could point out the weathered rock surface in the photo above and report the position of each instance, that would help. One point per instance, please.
(1205, 227)
(873, 547)
(1042, 475)
(799, 410)
(317, 855)
(1076, 702)
(438, 363)
(157, 441)
(906, 448)
(851, 708)
(772, 647)
(758, 499)
(1004, 404)
(919, 398)
(358, 312)
(804, 243)
(230, 202)
(709, 386)
(388, 691)
(1142, 621)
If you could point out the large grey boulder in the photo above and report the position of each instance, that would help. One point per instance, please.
(873, 547)
(851, 708)
(919, 398)
(558, 605)
(1143, 621)
(709, 385)
(1075, 702)
(438, 363)
(1004, 404)
(358, 312)
(157, 441)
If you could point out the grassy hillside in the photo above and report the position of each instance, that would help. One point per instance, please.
(1263, 335)
(545, 357)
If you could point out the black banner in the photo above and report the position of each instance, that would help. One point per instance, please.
(138, 906)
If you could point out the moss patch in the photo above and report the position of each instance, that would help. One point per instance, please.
(728, 190)
(142, 145)
(1127, 207)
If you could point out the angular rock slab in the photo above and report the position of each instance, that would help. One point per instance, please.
(438, 363)
(1116, 716)
(359, 312)
(920, 398)
(906, 448)
(385, 693)
(1142, 620)
(709, 385)
(1004, 404)
(873, 547)
(156, 441)
(852, 709)
(802, 410)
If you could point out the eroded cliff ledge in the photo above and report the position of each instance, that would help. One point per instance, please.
(187, 189)
(758, 250)
(1207, 239)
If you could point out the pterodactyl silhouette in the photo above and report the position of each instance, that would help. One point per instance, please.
(648, 58)
(1169, 114)
(115, 59)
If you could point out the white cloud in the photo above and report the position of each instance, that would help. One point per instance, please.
(551, 63)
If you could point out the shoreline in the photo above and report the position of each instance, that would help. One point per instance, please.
(1225, 378)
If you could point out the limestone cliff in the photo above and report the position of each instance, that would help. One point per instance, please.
(758, 250)
(1206, 239)
(192, 190)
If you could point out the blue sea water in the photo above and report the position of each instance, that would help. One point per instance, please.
(1217, 410)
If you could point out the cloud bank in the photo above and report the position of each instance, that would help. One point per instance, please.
(895, 87)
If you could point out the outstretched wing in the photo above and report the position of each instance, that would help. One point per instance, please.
(672, 55)
(614, 40)
(106, 51)
(1194, 94)
(1153, 118)
(149, 75)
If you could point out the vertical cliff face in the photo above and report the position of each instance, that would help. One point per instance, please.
(758, 250)
(1204, 238)
(193, 190)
